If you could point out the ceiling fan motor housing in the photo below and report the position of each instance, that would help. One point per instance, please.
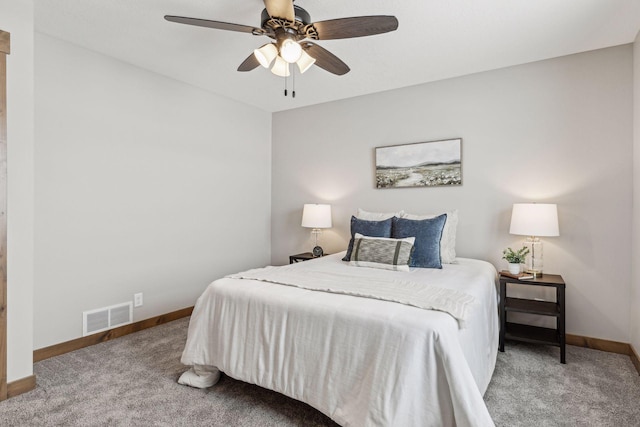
(301, 15)
(300, 27)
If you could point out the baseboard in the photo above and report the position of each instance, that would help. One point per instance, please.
(606, 345)
(23, 385)
(599, 344)
(635, 359)
(66, 347)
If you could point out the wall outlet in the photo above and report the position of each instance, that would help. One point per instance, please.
(137, 300)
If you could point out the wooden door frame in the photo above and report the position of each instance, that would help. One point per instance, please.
(4, 51)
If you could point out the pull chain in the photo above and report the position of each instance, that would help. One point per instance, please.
(285, 84)
(293, 83)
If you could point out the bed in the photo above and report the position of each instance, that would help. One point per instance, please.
(362, 359)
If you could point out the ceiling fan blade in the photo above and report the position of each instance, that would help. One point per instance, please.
(249, 64)
(357, 26)
(280, 9)
(325, 59)
(214, 24)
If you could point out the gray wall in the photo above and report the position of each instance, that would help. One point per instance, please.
(557, 131)
(142, 184)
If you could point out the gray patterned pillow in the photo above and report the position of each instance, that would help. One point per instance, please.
(382, 252)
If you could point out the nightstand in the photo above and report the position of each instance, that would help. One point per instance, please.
(528, 333)
(305, 256)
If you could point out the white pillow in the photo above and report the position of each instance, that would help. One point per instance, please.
(448, 241)
(382, 252)
(377, 216)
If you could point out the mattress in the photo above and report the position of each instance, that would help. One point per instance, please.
(361, 360)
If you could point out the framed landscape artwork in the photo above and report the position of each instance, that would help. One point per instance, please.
(424, 164)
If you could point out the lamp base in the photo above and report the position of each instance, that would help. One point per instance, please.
(317, 251)
(534, 273)
(533, 260)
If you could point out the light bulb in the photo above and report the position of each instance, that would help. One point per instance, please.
(266, 54)
(290, 51)
(280, 67)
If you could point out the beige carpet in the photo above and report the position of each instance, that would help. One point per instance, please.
(131, 381)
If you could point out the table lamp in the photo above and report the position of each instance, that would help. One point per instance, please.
(316, 217)
(534, 220)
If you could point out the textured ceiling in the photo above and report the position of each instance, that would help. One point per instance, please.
(436, 39)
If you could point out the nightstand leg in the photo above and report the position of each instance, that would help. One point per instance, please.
(561, 324)
(503, 314)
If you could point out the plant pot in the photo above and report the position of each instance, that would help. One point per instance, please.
(514, 268)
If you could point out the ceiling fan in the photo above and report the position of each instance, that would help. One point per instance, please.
(291, 28)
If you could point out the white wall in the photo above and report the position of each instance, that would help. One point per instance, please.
(143, 184)
(635, 255)
(556, 131)
(16, 17)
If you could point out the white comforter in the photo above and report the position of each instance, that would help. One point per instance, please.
(362, 361)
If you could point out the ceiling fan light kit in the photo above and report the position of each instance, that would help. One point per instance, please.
(266, 54)
(291, 28)
(280, 68)
(305, 62)
(290, 50)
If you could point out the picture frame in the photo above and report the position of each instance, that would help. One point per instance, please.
(420, 164)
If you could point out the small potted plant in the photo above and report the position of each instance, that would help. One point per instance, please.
(515, 258)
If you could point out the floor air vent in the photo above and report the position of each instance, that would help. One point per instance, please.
(102, 319)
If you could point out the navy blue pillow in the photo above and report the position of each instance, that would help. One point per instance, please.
(367, 228)
(428, 232)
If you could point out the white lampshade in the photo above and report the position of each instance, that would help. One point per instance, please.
(280, 67)
(305, 62)
(534, 219)
(266, 54)
(316, 216)
(290, 51)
